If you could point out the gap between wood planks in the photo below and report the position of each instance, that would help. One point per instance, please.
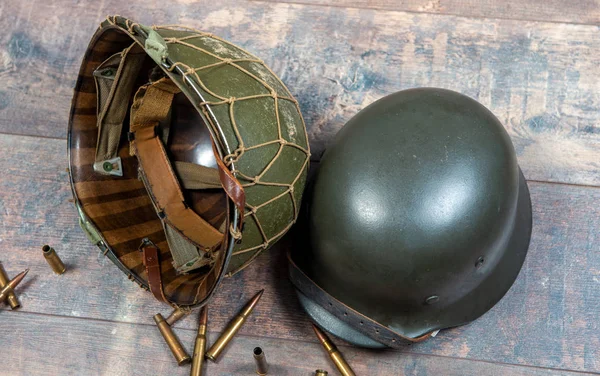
(188, 332)
(377, 5)
(312, 161)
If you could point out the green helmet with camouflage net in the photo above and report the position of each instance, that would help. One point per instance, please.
(188, 156)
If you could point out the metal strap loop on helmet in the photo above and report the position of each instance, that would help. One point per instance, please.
(361, 323)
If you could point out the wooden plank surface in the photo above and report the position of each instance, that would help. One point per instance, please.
(109, 348)
(541, 79)
(579, 12)
(548, 318)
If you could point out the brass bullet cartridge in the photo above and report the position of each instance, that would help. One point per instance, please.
(177, 315)
(10, 286)
(200, 345)
(232, 328)
(12, 298)
(176, 347)
(333, 352)
(262, 368)
(320, 372)
(53, 260)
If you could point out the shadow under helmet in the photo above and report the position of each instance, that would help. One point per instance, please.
(188, 156)
(419, 219)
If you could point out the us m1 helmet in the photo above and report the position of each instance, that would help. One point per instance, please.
(188, 156)
(419, 219)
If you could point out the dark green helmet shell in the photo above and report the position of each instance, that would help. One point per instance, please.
(419, 216)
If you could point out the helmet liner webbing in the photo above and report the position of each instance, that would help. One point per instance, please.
(151, 104)
(114, 88)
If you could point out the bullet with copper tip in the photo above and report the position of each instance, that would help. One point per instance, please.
(12, 299)
(177, 315)
(175, 346)
(333, 353)
(200, 346)
(232, 328)
(320, 372)
(10, 286)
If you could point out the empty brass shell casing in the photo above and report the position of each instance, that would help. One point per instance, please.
(320, 372)
(10, 286)
(177, 315)
(232, 328)
(53, 260)
(334, 354)
(176, 347)
(200, 345)
(262, 368)
(12, 298)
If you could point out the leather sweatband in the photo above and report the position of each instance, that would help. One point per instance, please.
(160, 178)
(152, 264)
(354, 319)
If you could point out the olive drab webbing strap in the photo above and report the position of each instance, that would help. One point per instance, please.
(114, 79)
(356, 320)
(152, 104)
(193, 176)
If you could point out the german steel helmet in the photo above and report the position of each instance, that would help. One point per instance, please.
(188, 156)
(419, 219)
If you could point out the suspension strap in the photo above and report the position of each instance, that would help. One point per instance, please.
(114, 79)
(152, 104)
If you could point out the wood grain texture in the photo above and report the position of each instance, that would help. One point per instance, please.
(71, 346)
(548, 318)
(579, 12)
(540, 79)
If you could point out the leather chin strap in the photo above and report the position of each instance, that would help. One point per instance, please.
(356, 320)
(150, 256)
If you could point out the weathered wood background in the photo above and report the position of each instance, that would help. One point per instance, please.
(535, 64)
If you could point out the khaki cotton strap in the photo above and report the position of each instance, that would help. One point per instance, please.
(151, 105)
(186, 256)
(114, 84)
(193, 176)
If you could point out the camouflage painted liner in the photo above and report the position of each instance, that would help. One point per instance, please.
(254, 123)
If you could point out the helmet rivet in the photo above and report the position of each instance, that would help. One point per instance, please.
(432, 299)
(107, 166)
(479, 262)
